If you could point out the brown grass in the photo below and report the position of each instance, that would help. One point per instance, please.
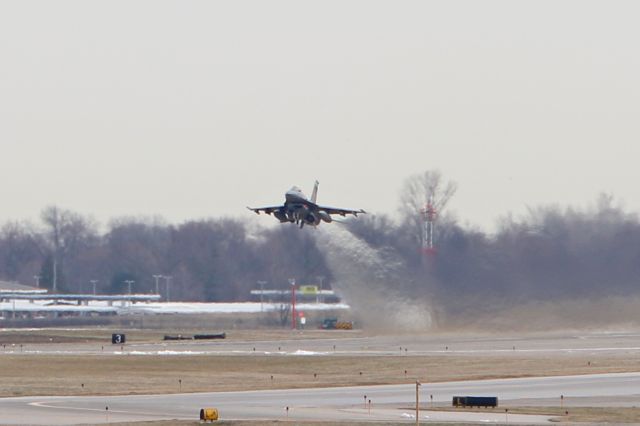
(597, 415)
(147, 335)
(614, 415)
(267, 422)
(130, 374)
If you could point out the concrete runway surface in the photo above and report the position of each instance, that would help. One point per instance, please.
(389, 402)
(543, 344)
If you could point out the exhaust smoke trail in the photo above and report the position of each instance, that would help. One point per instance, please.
(372, 281)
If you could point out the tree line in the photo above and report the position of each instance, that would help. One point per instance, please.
(551, 253)
(208, 260)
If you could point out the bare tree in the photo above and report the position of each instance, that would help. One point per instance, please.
(66, 233)
(19, 252)
(137, 249)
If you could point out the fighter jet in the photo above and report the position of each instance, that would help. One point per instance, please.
(299, 209)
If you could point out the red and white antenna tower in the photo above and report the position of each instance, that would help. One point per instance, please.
(429, 214)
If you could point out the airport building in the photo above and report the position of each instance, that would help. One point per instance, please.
(19, 301)
(30, 305)
(303, 294)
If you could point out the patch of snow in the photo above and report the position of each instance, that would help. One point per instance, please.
(165, 352)
(302, 352)
(160, 307)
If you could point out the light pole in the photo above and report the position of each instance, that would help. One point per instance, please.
(55, 273)
(168, 279)
(261, 284)
(418, 384)
(157, 277)
(129, 282)
(37, 278)
(321, 279)
(93, 283)
(292, 281)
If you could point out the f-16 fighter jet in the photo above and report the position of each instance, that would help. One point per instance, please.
(299, 209)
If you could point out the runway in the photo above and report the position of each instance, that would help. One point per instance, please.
(532, 345)
(388, 402)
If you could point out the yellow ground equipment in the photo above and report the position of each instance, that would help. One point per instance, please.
(344, 325)
(208, 414)
(334, 324)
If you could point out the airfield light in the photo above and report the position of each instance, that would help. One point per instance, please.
(93, 283)
(37, 278)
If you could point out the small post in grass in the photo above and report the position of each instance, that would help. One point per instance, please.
(418, 384)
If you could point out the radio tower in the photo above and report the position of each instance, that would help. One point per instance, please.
(429, 214)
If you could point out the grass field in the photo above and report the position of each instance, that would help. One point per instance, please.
(151, 335)
(572, 414)
(589, 415)
(32, 374)
(26, 375)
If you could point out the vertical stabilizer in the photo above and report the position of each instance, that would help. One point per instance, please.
(314, 194)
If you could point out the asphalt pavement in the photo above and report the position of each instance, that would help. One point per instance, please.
(388, 403)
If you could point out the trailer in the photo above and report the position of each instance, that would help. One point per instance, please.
(475, 401)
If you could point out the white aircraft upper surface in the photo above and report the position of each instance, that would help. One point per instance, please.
(299, 209)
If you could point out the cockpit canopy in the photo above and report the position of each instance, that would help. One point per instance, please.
(297, 192)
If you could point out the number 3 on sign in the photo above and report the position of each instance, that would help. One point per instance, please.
(117, 339)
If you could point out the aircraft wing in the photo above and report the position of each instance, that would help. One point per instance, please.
(267, 210)
(341, 212)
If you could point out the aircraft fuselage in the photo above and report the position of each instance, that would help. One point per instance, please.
(301, 210)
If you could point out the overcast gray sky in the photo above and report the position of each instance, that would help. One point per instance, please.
(190, 109)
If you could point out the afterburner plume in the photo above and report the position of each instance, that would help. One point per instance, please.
(371, 281)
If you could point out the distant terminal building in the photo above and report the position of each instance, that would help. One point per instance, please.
(9, 287)
(304, 294)
(22, 305)
(19, 301)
